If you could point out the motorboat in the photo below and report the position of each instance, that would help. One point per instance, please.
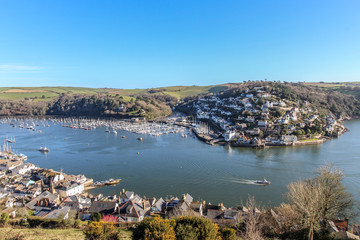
(44, 149)
(262, 182)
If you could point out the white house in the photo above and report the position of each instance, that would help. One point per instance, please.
(22, 169)
(70, 190)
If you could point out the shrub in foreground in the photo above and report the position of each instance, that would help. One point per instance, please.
(182, 228)
(101, 231)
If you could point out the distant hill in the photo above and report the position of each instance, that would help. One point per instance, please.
(106, 102)
(349, 88)
(158, 102)
(49, 93)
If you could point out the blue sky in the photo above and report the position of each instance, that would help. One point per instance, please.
(141, 44)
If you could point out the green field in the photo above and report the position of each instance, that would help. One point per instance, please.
(339, 86)
(45, 93)
(48, 93)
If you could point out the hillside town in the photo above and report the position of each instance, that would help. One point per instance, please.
(256, 117)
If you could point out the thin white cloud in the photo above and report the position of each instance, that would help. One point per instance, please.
(14, 67)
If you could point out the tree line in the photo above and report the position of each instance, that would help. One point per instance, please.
(150, 106)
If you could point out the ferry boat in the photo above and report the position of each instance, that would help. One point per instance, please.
(262, 182)
(44, 149)
(105, 183)
(112, 181)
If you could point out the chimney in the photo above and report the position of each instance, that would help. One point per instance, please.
(52, 190)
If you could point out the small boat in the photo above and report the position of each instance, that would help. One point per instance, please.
(123, 136)
(262, 182)
(11, 140)
(112, 181)
(22, 156)
(44, 149)
(140, 139)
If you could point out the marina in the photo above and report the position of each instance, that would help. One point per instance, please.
(132, 125)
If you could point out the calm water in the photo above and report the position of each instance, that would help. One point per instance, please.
(172, 165)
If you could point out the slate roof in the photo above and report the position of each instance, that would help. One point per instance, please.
(42, 213)
(230, 213)
(215, 214)
(46, 194)
(196, 206)
(103, 207)
(132, 209)
(56, 213)
(160, 204)
(188, 198)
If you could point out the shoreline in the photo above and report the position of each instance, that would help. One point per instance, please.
(211, 141)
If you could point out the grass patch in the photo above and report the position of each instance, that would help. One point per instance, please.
(41, 234)
(23, 95)
(45, 234)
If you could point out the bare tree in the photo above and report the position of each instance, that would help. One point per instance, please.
(335, 200)
(252, 221)
(305, 198)
(321, 198)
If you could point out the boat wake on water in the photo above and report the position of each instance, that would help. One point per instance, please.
(250, 181)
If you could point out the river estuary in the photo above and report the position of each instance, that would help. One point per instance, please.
(172, 165)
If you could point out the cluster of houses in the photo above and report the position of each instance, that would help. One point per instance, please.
(254, 116)
(25, 185)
